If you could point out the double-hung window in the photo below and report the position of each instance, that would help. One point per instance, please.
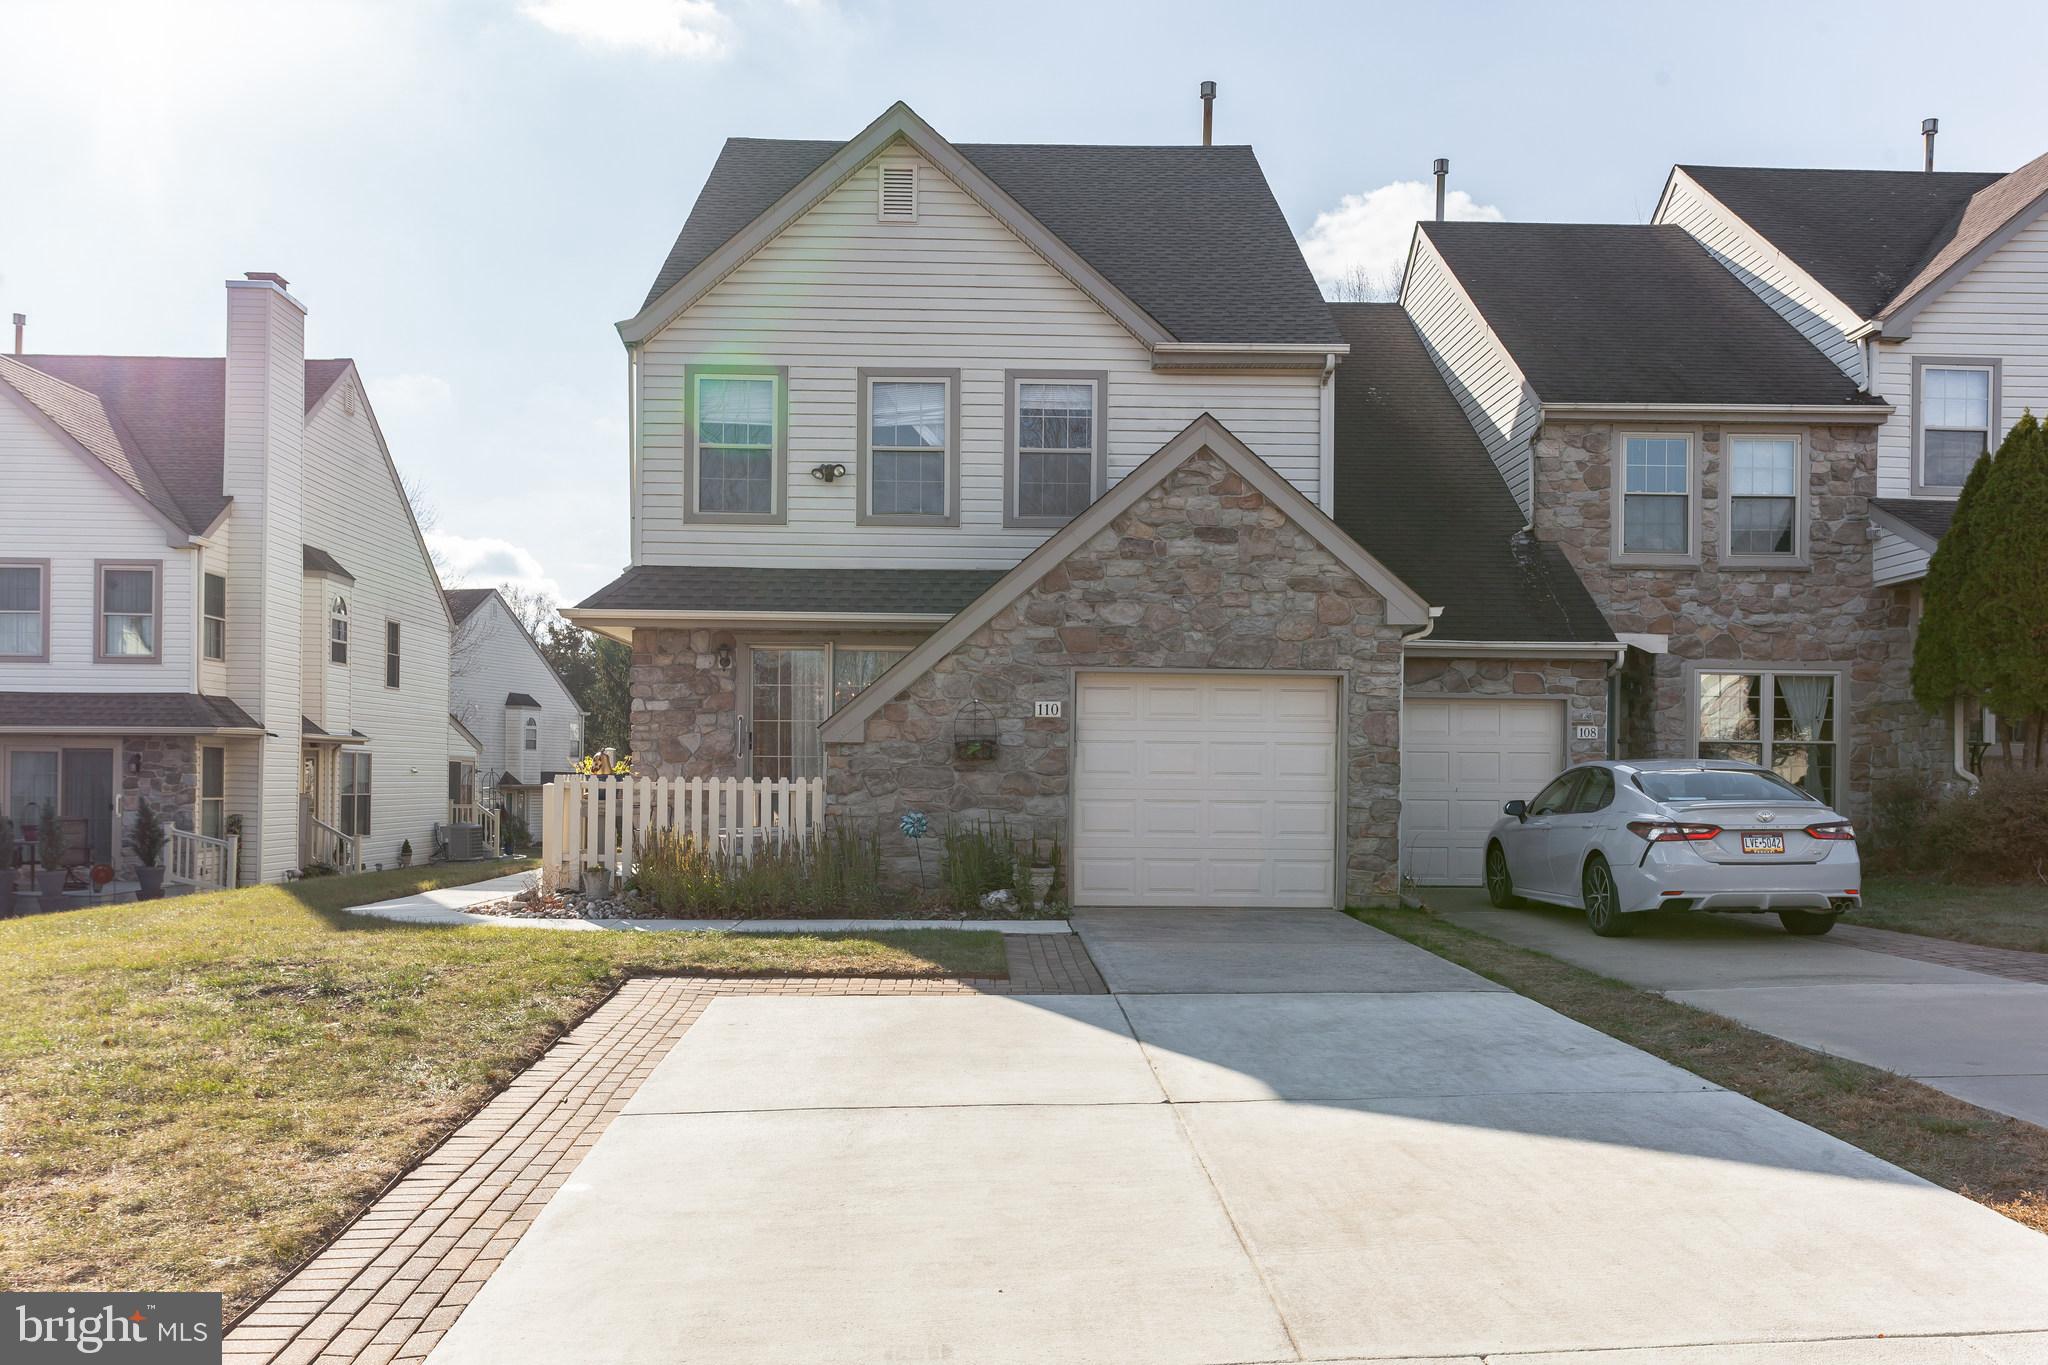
(909, 428)
(1777, 720)
(530, 733)
(1957, 407)
(1765, 475)
(391, 653)
(214, 613)
(1056, 446)
(355, 794)
(737, 439)
(337, 630)
(1657, 496)
(213, 793)
(24, 609)
(130, 615)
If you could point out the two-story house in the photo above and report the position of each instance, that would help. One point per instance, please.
(511, 704)
(213, 595)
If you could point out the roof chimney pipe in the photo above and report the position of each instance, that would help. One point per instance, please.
(1208, 112)
(20, 324)
(1442, 167)
(1928, 128)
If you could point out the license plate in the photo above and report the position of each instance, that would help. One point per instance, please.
(1763, 843)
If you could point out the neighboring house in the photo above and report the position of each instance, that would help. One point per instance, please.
(213, 594)
(521, 716)
(1260, 600)
(1927, 288)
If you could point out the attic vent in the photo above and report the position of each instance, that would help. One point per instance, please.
(348, 399)
(898, 190)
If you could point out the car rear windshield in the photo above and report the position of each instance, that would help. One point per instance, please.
(1716, 784)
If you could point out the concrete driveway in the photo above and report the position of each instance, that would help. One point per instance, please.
(1981, 1038)
(1396, 1160)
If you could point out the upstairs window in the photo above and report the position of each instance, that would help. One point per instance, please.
(215, 613)
(130, 612)
(337, 631)
(1056, 445)
(1657, 498)
(737, 443)
(24, 610)
(391, 653)
(1956, 407)
(910, 454)
(532, 735)
(1764, 477)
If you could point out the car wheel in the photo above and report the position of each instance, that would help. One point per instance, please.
(1807, 921)
(1603, 903)
(1500, 884)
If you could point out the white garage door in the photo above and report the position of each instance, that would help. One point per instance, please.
(1460, 760)
(1205, 790)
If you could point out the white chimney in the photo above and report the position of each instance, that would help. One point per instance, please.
(262, 470)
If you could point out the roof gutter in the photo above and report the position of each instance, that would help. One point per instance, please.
(595, 617)
(1221, 355)
(227, 731)
(1515, 649)
(1872, 414)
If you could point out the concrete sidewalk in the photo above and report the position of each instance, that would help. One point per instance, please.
(1980, 1037)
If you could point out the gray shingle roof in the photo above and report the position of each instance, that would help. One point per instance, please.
(1862, 234)
(319, 561)
(1418, 491)
(1931, 517)
(673, 587)
(1191, 234)
(1604, 313)
(464, 601)
(170, 410)
(1989, 210)
(116, 712)
(521, 699)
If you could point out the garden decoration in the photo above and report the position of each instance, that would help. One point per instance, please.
(915, 827)
(974, 734)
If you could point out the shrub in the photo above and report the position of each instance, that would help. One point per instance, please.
(979, 858)
(838, 872)
(149, 833)
(1998, 835)
(1056, 889)
(51, 845)
(1896, 837)
(512, 832)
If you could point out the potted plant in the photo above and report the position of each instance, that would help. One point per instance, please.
(6, 867)
(405, 854)
(149, 846)
(50, 850)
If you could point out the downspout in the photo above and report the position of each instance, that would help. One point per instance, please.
(1326, 453)
(633, 451)
(1400, 728)
(1959, 729)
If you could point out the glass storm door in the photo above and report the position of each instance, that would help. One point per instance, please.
(789, 699)
(88, 795)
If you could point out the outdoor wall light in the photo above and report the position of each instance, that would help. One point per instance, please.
(828, 472)
(724, 656)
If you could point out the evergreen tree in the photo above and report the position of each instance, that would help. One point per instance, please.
(1984, 622)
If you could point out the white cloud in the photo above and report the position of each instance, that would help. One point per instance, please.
(1366, 236)
(408, 395)
(693, 29)
(488, 562)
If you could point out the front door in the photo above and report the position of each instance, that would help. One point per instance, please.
(78, 782)
(788, 699)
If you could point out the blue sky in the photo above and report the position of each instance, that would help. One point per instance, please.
(468, 195)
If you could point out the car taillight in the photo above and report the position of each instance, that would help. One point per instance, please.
(1667, 832)
(1840, 829)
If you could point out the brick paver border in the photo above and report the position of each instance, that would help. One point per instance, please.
(397, 1278)
(2010, 963)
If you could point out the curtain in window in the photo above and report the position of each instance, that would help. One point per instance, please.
(128, 598)
(21, 609)
(1806, 701)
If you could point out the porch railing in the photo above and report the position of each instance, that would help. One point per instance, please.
(342, 852)
(201, 860)
(601, 822)
(491, 821)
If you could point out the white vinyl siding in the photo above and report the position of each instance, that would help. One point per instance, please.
(837, 292)
(494, 657)
(1772, 276)
(1896, 559)
(1497, 400)
(1999, 311)
(60, 509)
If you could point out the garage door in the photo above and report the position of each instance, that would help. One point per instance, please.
(1205, 790)
(1459, 761)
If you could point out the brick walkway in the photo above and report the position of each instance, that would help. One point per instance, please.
(2010, 963)
(390, 1285)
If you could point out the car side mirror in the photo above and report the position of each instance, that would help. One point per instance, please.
(1518, 809)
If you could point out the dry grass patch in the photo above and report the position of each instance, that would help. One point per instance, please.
(1998, 1161)
(1996, 916)
(195, 1093)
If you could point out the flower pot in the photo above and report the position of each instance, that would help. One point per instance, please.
(152, 879)
(50, 888)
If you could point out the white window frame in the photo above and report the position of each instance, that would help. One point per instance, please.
(337, 630)
(42, 568)
(778, 447)
(213, 628)
(529, 736)
(1766, 741)
(949, 455)
(1013, 485)
(1617, 485)
(100, 569)
(1994, 431)
(1798, 557)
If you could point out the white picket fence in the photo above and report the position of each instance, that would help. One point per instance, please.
(600, 823)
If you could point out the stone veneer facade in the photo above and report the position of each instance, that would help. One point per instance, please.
(685, 707)
(169, 777)
(1201, 573)
(1828, 615)
(1580, 683)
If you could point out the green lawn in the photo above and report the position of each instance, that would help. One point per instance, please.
(1998, 1161)
(1996, 916)
(195, 1093)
